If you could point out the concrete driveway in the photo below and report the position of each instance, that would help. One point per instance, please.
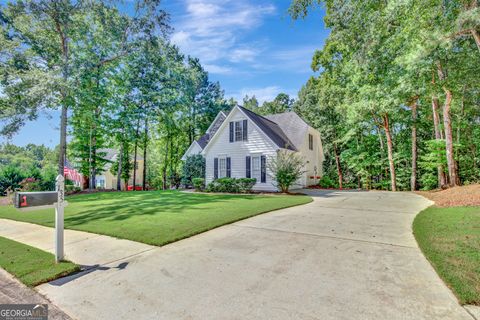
(347, 255)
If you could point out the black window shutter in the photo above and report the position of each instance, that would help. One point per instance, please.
(215, 168)
(245, 130)
(247, 171)
(263, 163)
(229, 171)
(231, 131)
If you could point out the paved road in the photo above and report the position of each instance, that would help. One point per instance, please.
(347, 255)
(13, 291)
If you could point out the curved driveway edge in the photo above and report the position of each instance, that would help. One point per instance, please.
(346, 255)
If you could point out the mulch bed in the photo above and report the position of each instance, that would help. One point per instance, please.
(454, 197)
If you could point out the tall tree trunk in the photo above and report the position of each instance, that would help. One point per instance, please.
(119, 170)
(94, 160)
(438, 135)
(447, 126)
(90, 161)
(476, 36)
(135, 156)
(165, 163)
(413, 178)
(339, 168)
(386, 126)
(64, 94)
(63, 141)
(145, 144)
(452, 172)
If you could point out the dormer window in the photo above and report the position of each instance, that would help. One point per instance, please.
(238, 131)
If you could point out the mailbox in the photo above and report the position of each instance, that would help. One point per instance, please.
(35, 199)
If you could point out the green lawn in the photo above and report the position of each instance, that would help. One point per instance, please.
(30, 265)
(450, 239)
(155, 217)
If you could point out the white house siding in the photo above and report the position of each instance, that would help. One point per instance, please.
(258, 144)
(313, 158)
(192, 150)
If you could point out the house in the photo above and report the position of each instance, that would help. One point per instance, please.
(108, 180)
(240, 143)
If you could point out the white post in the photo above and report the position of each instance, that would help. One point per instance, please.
(59, 207)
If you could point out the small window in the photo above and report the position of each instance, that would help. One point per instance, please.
(256, 168)
(238, 130)
(310, 142)
(222, 167)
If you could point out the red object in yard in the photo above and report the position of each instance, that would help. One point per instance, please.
(317, 177)
(137, 188)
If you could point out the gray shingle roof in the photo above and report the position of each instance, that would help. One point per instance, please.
(271, 129)
(203, 140)
(287, 130)
(294, 127)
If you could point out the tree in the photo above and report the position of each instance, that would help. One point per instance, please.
(286, 168)
(250, 103)
(193, 167)
(382, 61)
(281, 103)
(10, 177)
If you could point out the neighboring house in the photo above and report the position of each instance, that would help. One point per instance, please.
(240, 144)
(108, 180)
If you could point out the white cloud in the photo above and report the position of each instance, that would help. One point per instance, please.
(262, 94)
(212, 29)
(213, 68)
(243, 54)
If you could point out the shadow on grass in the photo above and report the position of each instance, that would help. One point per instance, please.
(126, 205)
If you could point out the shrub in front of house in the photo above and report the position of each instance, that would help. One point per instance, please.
(246, 184)
(198, 184)
(286, 168)
(231, 185)
(327, 183)
(71, 189)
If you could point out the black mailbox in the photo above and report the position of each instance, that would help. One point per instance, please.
(35, 199)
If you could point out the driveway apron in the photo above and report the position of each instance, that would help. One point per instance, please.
(346, 255)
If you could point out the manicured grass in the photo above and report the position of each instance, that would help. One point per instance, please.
(30, 265)
(450, 239)
(155, 217)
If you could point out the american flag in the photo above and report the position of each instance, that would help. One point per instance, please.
(70, 173)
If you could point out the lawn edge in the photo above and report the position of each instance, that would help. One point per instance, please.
(432, 264)
(76, 268)
(180, 238)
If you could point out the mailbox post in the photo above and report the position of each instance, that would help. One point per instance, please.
(47, 199)
(59, 214)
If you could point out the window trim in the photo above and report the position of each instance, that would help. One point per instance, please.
(238, 129)
(256, 172)
(220, 160)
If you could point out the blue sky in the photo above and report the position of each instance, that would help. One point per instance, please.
(250, 47)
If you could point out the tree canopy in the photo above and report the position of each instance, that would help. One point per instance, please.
(397, 98)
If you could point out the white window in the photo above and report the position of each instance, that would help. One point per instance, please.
(256, 168)
(222, 167)
(100, 183)
(238, 130)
